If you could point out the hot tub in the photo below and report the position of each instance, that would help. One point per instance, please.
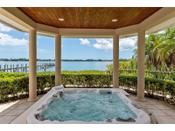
(82, 105)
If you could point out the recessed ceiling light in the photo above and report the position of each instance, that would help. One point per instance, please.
(61, 19)
(114, 20)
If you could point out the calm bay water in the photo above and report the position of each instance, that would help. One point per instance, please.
(66, 65)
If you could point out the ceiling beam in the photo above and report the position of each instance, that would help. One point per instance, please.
(162, 26)
(68, 32)
(87, 32)
(15, 18)
(163, 18)
(128, 31)
(46, 30)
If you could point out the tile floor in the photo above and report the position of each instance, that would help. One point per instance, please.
(162, 112)
(10, 111)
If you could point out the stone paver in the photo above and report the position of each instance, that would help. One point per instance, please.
(4, 112)
(15, 112)
(165, 120)
(8, 105)
(162, 112)
(6, 119)
(170, 112)
(157, 112)
(10, 111)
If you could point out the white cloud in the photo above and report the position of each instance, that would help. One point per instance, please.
(124, 44)
(104, 44)
(128, 43)
(9, 40)
(84, 42)
(4, 28)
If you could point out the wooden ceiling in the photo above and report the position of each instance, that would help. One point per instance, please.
(89, 17)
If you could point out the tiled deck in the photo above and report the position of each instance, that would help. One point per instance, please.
(162, 112)
(10, 111)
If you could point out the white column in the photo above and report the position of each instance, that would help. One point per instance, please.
(57, 60)
(32, 66)
(116, 61)
(140, 61)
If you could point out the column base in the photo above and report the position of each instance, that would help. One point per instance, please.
(57, 83)
(140, 99)
(32, 99)
(115, 87)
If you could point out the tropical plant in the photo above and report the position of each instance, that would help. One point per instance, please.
(160, 49)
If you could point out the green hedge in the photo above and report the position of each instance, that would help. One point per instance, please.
(153, 86)
(16, 86)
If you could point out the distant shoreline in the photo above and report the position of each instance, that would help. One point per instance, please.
(65, 60)
(61, 60)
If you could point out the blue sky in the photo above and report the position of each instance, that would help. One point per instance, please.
(14, 44)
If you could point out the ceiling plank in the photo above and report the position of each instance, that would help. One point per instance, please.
(89, 17)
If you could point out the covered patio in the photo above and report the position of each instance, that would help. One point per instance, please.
(88, 22)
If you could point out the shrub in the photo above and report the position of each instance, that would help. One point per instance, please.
(87, 80)
(14, 86)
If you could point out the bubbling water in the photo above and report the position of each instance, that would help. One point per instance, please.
(88, 107)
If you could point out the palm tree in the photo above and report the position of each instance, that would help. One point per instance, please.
(160, 49)
(165, 49)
